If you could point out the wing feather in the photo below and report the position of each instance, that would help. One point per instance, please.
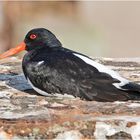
(64, 72)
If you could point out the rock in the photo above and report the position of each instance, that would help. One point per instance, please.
(24, 114)
(70, 135)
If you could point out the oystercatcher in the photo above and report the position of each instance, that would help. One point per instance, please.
(50, 68)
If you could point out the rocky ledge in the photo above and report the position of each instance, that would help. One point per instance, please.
(24, 114)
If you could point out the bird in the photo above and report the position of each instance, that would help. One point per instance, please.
(54, 70)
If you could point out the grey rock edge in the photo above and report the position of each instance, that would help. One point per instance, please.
(24, 114)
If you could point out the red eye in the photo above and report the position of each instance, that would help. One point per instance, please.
(33, 36)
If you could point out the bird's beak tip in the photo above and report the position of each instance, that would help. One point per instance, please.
(17, 49)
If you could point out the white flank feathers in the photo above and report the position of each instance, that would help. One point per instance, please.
(39, 63)
(47, 94)
(37, 89)
(104, 69)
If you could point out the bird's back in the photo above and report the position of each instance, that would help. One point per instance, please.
(60, 71)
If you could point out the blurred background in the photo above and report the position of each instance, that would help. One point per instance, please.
(98, 29)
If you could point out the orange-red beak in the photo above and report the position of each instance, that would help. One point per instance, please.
(19, 48)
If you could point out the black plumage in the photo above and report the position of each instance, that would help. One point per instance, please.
(52, 68)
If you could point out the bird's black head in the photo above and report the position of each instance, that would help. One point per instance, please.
(40, 38)
(35, 39)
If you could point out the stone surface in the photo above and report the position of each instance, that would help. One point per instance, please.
(24, 114)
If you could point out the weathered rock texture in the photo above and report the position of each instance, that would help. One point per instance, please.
(24, 114)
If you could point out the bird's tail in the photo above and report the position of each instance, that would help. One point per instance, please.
(133, 89)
